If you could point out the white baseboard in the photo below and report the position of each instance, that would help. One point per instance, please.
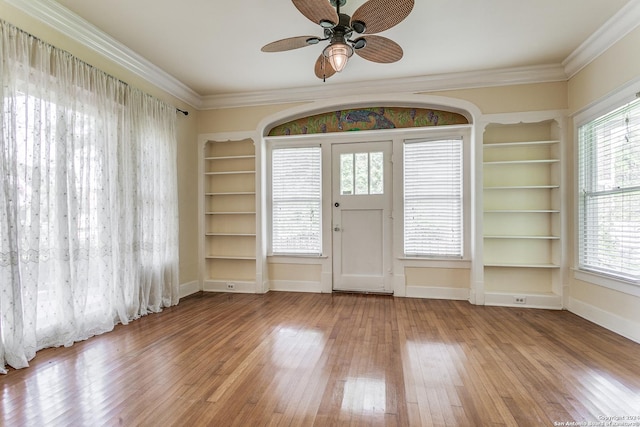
(222, 286)
(295, 286)
(476, 296)
(437, 292)
(399, 285)
(625, 327)
(507, 299)
(189, 288)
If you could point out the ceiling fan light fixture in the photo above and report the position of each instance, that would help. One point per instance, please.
(338, 54)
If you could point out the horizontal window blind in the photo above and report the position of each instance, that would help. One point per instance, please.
(296, 201)
(609, 193)
(433, 205)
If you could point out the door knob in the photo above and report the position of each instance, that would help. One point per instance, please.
(336, 228)
(336, 204)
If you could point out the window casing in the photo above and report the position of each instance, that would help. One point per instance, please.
(461, 138)
(433, 198)
(296, 201)
(609, 194)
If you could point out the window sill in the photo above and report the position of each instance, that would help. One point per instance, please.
(607, 282)
(435, 262)
(296, 259)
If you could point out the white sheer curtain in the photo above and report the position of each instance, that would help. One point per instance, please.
(88, 200)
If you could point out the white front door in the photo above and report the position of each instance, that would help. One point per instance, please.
(362, 216)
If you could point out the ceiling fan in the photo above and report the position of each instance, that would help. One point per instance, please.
(372, 17)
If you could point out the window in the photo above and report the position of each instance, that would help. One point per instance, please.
(89, 232)
(41, 146)
(296, 190)
(433, 205)
(609, 194)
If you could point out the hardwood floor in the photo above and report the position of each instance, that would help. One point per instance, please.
(342, 359)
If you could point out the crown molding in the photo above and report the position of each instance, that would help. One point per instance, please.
(420, 84)
(618, 26)
(71, 25)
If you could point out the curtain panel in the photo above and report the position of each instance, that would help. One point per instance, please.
(88, 200)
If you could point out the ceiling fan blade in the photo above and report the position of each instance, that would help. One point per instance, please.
(380, 49)
(323, 68)
(380, 15)
(317, 11)
(289, 44)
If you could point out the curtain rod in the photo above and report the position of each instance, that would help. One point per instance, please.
(3, 22)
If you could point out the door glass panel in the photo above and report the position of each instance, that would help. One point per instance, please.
(346, 174)
(361, 173)
(376, 173)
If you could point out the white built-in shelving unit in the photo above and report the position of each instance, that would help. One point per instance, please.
(522, 214)
(229, 215)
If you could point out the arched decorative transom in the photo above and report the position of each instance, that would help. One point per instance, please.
(368, 118)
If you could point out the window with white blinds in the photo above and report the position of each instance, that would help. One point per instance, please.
(433, 198)
(609, 194)
(296, 190)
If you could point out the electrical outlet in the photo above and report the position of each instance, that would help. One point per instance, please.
(520, 300)
(231, 285)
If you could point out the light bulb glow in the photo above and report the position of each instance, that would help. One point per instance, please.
(338, 54)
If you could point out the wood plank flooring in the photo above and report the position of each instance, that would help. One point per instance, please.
(292, 359)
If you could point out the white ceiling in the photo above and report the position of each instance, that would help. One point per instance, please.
(213, 47)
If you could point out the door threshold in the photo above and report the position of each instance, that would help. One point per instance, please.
(363, 292)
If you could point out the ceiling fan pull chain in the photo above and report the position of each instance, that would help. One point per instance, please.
(324, 74)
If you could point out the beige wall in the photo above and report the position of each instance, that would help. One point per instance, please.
(237, 119)
(295, 272)
(501, 99)
(529, 97)
(438, 277)
(187, 130)
(188, 196)
(613, 69)
(508, 99)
